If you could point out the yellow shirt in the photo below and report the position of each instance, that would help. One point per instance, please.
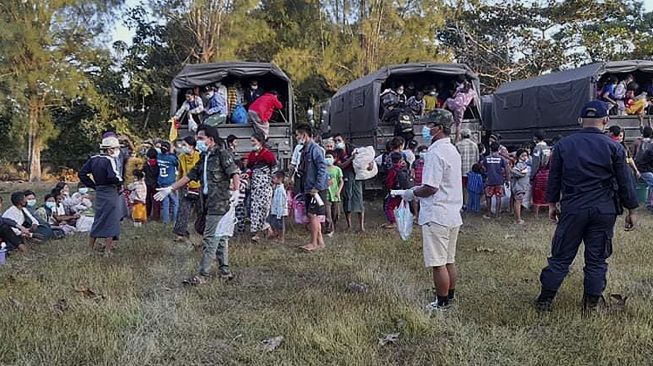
(430, 102)
(186, 163)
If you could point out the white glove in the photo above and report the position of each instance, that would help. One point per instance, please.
(409, 195)
(162, 193)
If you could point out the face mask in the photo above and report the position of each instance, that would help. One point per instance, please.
(83, 190)
(201, 146)
(254, 87)
(50, 205)
(31, 203)
(426, 134)
(210, 94)
(115, 154)
(340, 145)
(186, 149)
(329, 161)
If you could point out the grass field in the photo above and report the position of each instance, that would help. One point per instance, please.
(140, 314)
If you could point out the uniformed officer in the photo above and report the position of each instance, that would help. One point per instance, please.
(591, 180)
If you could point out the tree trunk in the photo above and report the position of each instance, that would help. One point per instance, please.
(34, 153)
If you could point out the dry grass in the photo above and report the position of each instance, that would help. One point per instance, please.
(145, 317)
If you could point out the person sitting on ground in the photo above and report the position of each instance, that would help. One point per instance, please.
(261, 110)
(62, 218)
(336, 184)
(521, 183)
(46, 213)
(498, 173)
(9, 236)
(44, 228)
(279, 208)
(20, 215)
(194, 106)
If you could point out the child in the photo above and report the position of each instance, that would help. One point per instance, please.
(279, 209)
(336, 183)
(398, 178)
(521, 183)
(138, 198)
(497, 172)
(475, 187)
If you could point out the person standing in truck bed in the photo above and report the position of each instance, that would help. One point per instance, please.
(261, 110)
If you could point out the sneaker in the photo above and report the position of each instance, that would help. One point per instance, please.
(544, 305)
(437, 306)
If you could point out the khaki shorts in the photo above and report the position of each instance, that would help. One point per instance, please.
(439, 244)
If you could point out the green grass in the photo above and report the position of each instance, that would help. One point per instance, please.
(147, 317)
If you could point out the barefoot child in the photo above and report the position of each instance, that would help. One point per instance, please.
(138, 198)
(336, 183)
(279, 209)
(521, 183)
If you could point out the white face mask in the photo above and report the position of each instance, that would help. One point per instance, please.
(340, 145)
(115, 153)
(83, 190)
(254, 87)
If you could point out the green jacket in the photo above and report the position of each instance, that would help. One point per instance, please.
(220, 168)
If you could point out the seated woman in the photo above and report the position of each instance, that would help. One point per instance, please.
(27, 224)
(55, 213)
(9, 237)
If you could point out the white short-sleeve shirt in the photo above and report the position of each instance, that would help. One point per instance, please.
(442, 171)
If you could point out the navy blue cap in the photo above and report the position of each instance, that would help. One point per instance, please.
(595, 109)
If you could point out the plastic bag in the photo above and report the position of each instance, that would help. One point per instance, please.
(404, 220)
(228, 221)
(299, 210)
(192, 125)
(505, 200)
(364, 157)
(239, 115)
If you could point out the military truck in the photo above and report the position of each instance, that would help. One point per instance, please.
(269, 77)
(355, 110)
(553, 101)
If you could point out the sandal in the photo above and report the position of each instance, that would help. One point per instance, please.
(256, 239)
(194, 281)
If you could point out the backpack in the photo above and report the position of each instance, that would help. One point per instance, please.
(405, 123)
(239, 115)
(404, 180)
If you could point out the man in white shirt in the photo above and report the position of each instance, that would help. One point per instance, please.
(19, 214)
(441, 199)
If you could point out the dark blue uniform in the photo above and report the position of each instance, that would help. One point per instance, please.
(590, 179)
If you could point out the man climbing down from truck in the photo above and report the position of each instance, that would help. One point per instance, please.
(194, 106)
(261, 110)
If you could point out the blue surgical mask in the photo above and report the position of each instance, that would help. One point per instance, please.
(329, 161)
(186, 149)
(83, 190)
(50, 205)
(426, 134)
(31, 203)
(340, 145)
(201, 146)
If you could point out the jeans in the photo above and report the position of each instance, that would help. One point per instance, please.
(171, 200)
(214, 245)
(647, 177)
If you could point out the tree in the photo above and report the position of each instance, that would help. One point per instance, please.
(48, 47)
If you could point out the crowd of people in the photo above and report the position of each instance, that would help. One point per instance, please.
(625, 96)
(402, 105)
(217, 104)
(201, 179)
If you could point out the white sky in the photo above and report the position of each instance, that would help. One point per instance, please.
(122, 33)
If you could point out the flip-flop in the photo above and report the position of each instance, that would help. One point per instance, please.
(306, 249)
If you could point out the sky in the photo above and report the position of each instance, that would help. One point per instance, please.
(122, 33)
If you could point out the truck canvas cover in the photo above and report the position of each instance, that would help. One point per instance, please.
(355, 107)
(193, 75)
(553, 100)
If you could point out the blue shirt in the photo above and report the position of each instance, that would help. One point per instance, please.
(313, 168)
(495, 166)
(168, 164)
(609, 89)
(216, 105)
(589, 170)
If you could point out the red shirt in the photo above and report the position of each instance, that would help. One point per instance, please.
(264, 106)
(261, 158)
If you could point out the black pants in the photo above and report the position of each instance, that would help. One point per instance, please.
(595, 230)
(9, 237)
